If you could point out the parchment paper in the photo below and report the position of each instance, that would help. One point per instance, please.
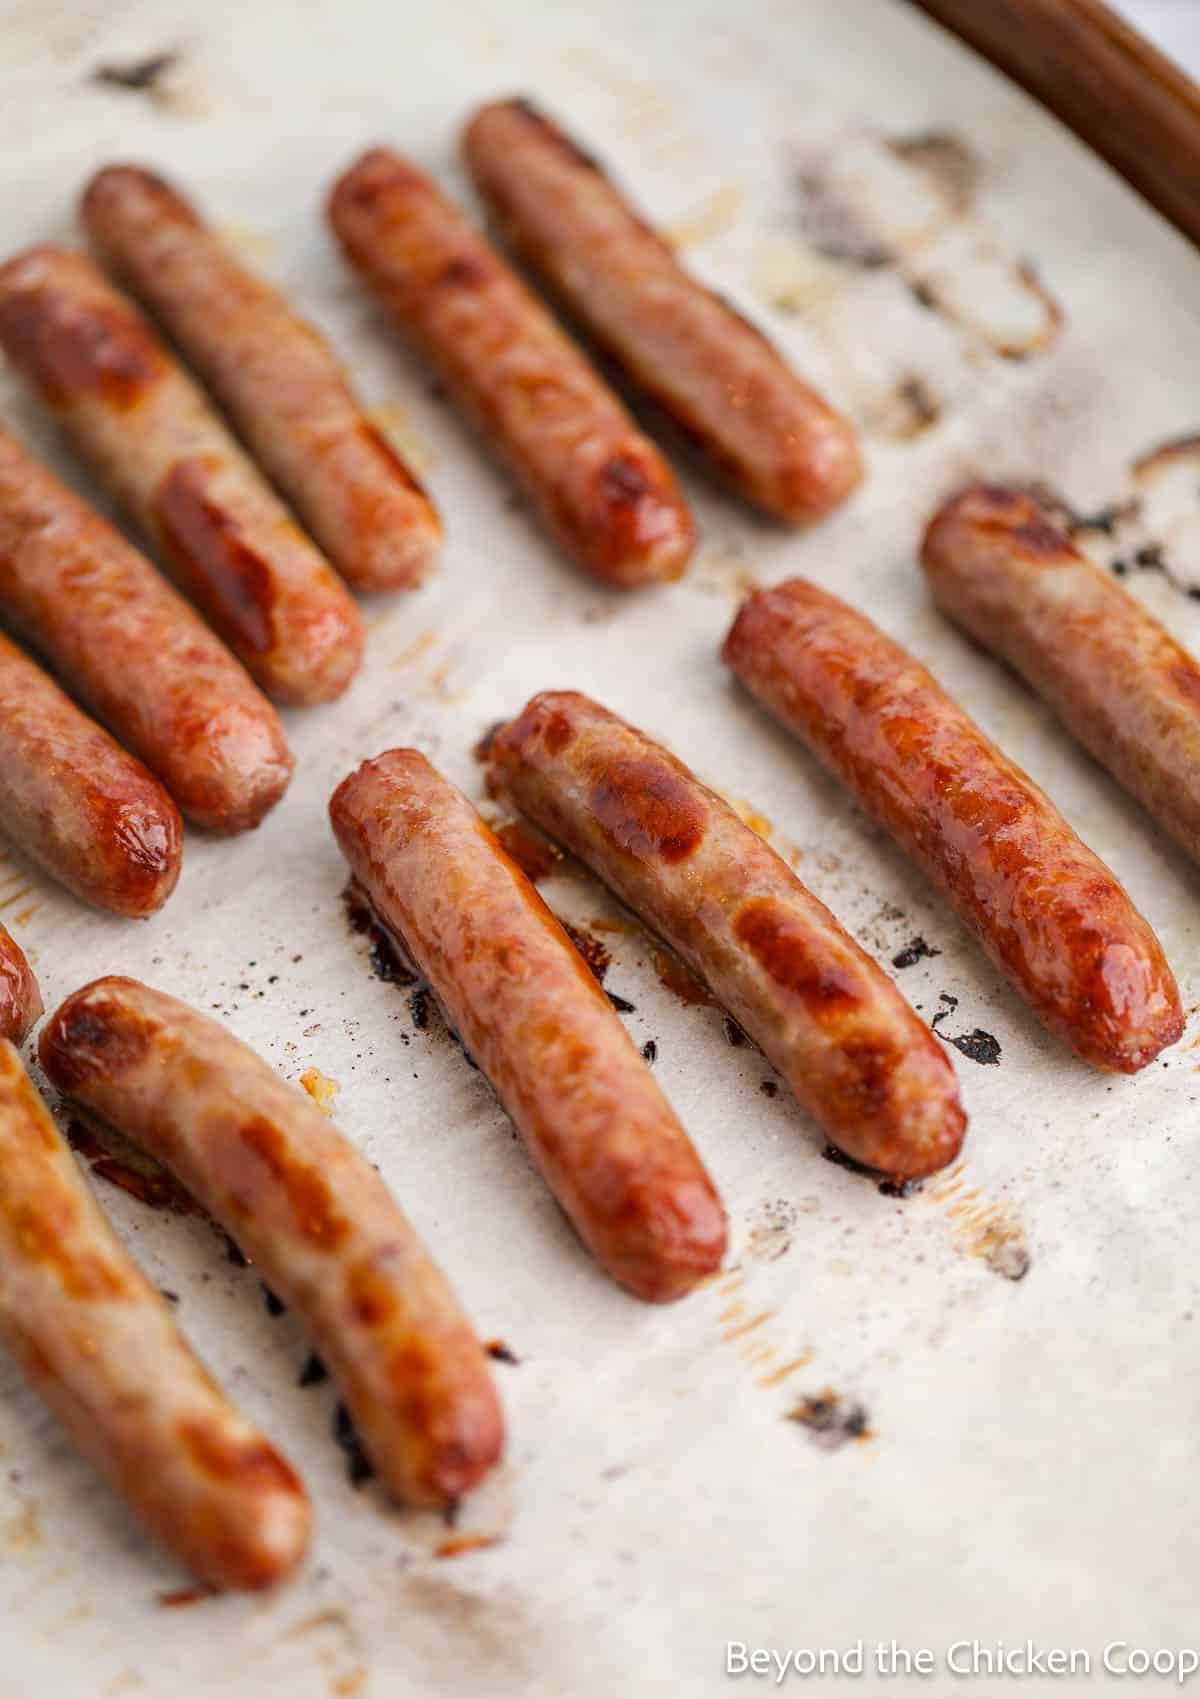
(1028, 1462)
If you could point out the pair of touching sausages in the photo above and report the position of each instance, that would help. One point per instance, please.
(151, 436)
(1045, 908)
(135, 653)
(20, 999)
(840, 1033)
(75, 802)
(99, 1344)
(1131, 695)
(276, 377)
(308, 1210)
(533, 1017)
(725, 387)
(599, 485)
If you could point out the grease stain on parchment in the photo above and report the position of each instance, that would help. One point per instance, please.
(1152, 525)
(983, 1228)
(904, 204)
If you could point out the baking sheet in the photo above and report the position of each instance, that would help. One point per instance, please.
(1018, 1340)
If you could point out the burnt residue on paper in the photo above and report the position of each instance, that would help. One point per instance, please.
(907, 410)
(888, 1184)
(389, 963)
(359, 1467)
(830, 1420)
(143, 75)
(386, 957)
(900, 1188)
(273, 1303)
(946, 158)
(905, 204)
(597, 957)
(913, 952)
(735, 1035)
(977, 1045)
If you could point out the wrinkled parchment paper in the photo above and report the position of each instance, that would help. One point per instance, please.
(966, 1414)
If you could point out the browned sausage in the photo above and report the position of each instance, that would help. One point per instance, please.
(96, 1340)
(308, 1210)
(600, 486)
(136, 654)
(868, 1071)
(89, 813)
(530, 1013)
(729, 390)
(274, 374)
(20, 999)
(1122, 684)
(173, 466)
(1047, 911)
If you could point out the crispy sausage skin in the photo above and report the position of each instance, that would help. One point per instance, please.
(151, 435)
(308, 1210)
(729, 391)
(600, 486)
(135, 653)
(1118, 680)
(276, 377)
(90, 814)
(96, 1340)
(532, 1015)
(854, 1053)
(1049, 913)
(20, 999)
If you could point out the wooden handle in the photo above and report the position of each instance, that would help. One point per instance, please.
(1091, 69)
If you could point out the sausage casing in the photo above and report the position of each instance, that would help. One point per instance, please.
(150, 434)
(1118, 680)
(727, 389)
(133, 650)
(304, 1206)
(96, 1340)
(1045, 908)
(600, 486)
(20, 999)
(274, 374)
(533, 1017)
(86, 811)
(854, 1053)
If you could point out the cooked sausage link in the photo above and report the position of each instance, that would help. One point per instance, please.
(96, 1340)
(89, 813)
(600, 486)
(134, 652)
(150, 434)
(305, 1207)
(533, 1017)
(1118, 680)
(1048, 911)
(20, 999)
(868, 1071)
(728, 390)
(275, 375)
